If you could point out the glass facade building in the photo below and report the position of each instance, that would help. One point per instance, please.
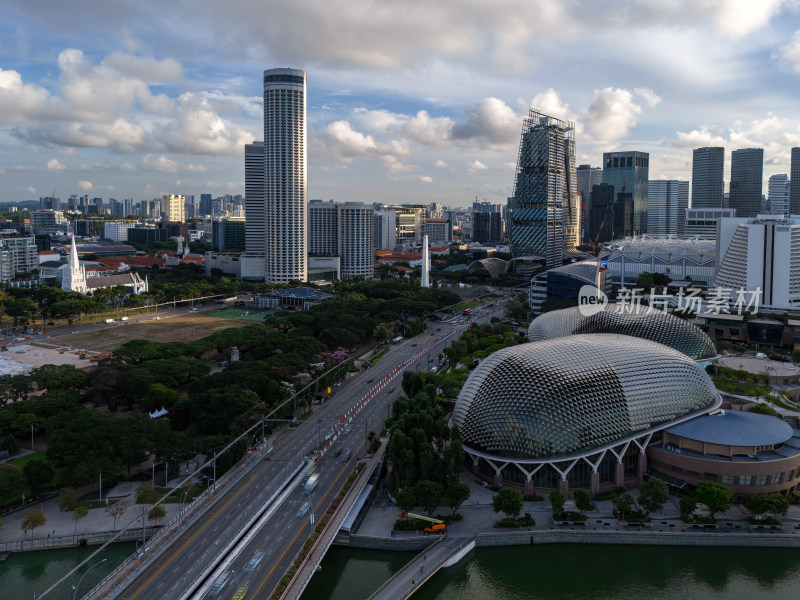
(629, 172)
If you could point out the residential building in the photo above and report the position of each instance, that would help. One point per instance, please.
(323, 228)
(45, 222)
(285, 174)
(629, 172)
(356, 242)
(708, 187)
(544, 211)
(117, 230)
(385, 228)
(17, 255)
(439, 230)
(667, 201)
(747, 172)
(794, 182)
(173, 208)
(778, 194)
(763, 253)
(410, 219)
(49, 203)
(487, 227)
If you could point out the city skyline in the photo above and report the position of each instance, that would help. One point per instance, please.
(134, 100)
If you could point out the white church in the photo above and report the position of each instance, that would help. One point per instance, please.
(74, 279)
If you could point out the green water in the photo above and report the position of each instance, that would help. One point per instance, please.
(26, 573)
(574, 572)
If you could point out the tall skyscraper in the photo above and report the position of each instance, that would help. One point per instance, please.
(794, 182)
(628, 172)
(708, 187)
(778, 194)
(205, 199)
(587, 176)
(356, 241)
(173, 207)
(747, 181)
(255, 210)
(323, 228)
(285, 172)
(544, 211)
(667, 201)
(385, 229)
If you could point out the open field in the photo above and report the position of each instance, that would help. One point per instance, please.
(181, 328)
(240, 314)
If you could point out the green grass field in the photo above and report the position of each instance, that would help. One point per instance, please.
(24, 460)
(465, 305)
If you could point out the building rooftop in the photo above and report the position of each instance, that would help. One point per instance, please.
(750, 364)
(735, 428)
(305, 293)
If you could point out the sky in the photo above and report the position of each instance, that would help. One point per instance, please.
(409, 101)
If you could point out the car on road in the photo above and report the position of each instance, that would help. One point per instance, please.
(223, 363)
(346, 456)
(303, 509)
(414, 344)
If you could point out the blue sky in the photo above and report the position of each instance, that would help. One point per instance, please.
(408, 100)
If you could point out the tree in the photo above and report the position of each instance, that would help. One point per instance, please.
(381, 334)
(557, 501)
(583, 501)
(761, 506)
(145, 494)
(67, 499)
(653, 494)
(714, 495)
(156, 514)
(429, 494)
(79, 513)
(55, 377)
(116, 510)
(623, 505)
(457, 494)
(38, 473)
(406, 499)
(688, 505)
(10, 444)
(508, 501)
(33, 518)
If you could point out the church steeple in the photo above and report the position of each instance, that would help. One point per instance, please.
(73, 274)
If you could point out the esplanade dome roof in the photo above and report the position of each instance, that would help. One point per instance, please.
(627, 319)
(571, 395)
(735, 428)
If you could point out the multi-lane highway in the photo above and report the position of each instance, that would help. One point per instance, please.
(263, 560)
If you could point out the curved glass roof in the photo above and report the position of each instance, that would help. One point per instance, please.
(735, 428)
(627, 319)
(570, 395)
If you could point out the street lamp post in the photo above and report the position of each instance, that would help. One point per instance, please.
(75, 587)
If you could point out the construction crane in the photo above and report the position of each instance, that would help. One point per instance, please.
(437, 525)
(599, 231)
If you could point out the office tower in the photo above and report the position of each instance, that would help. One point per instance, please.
(794, 182)
(667, 201)
(487, 227)
(610, 216)
(254, 199)
(747, 173)
(285, 191)
(778, 194)
(356, 242)
(544, 208)
(45, 222)
(173, 208)
(701, 223)
(49, 203)
(439, 231)
(385, 221)
(435, 210)
(323, 228)
(587, 176)
(205, 199)
(410, 219)
(708, 187)
(486, 207)
(628, 172)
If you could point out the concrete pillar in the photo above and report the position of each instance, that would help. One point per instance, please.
(528, 488)
(641, 468)
(594, 483)
(563, 487)
(619, 474)
(498, 479)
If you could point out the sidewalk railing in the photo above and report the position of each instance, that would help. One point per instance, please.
(74, 539)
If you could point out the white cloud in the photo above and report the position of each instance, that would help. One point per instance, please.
(55, 165)
(348, 143)
(196, 168)
(697, 138)
(22, 103)
(425, 179)
(85, 185)
(440, 164)
(476, 166)
(648, 95)
(551, 104)
(30, 189)
(490, 121)
(161, 164)
(789, 54)
(611, 115)
(424, 129)
(145, 68)
(739, 18)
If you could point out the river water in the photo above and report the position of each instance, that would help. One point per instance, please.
(574, 572)
(26, 573)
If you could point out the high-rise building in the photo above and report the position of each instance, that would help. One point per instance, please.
(410, 219)
(285, 172)
(17, 255)
(544, 211)
(794, 182)
(227, 233)
(708, 187)
(356, 241)
(701, 223)
(44, 222)
(487, 227)
(173, 207)
(610, 216)
(629, 173)
(385, 229)
(667, 201)
(747, 174)
(205, 201)
(117, 230)
(439, 231)
(323, 228)
(254, 260)
(778, 194)
(49, 203)
(586, 177)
